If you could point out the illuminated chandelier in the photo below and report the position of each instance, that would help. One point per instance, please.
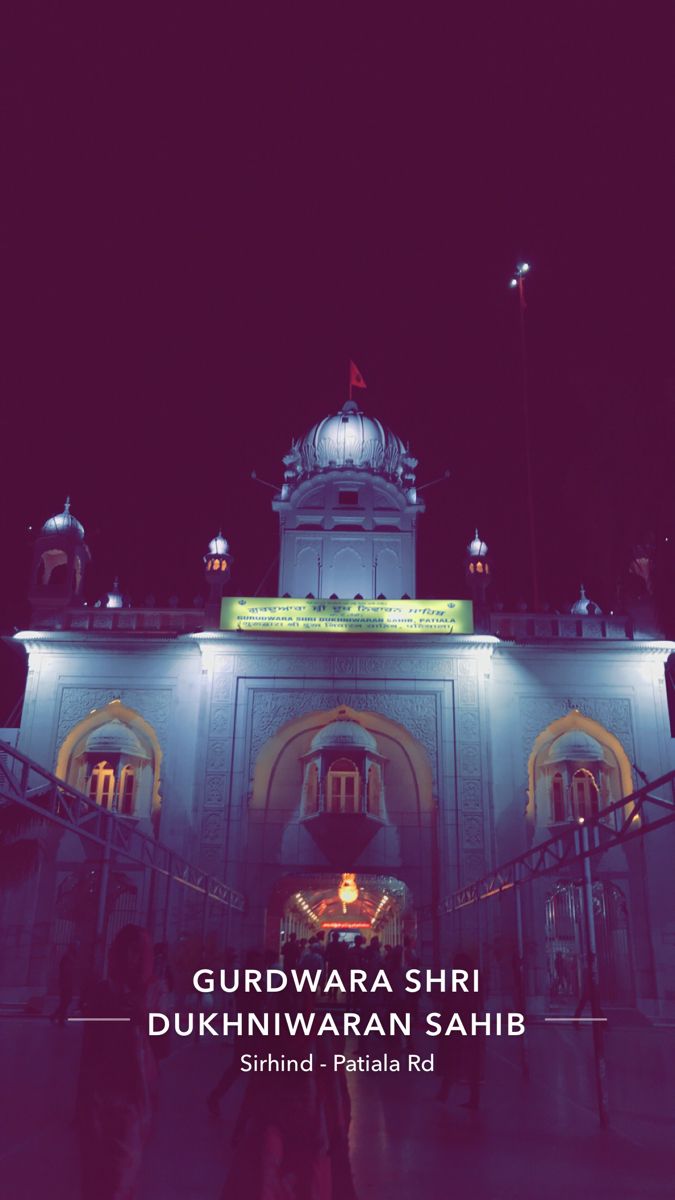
(348, 891)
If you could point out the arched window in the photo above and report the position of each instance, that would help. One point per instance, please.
(102, 784)
(127, 787)
(53, 569)
(576, 770)
(112, 788)
(114, 762)
(342, 787)
(585, 802)
(558, 798)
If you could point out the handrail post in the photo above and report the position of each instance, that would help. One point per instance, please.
(594, 982)
(101, 921)
(520, 976)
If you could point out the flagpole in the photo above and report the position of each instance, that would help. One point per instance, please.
(519, 282)
(350, 379)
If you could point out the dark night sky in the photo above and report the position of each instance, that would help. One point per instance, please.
(207, 210)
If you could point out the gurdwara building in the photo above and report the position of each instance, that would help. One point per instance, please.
(346, 727)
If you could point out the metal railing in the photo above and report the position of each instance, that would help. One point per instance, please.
(29, 785)
(631, 818)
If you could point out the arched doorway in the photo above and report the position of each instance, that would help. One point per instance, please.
(305, 905)
(334, 790)
(566, 944)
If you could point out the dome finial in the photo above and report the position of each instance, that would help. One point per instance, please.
(66, 507)
(583, 607)
(114, 598)
(218, 544)
(477, 548)
(349, 406)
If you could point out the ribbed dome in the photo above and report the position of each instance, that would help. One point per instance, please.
(477, 548)
(350, 440)
(344, 733)
(218, 545)
(116, 738)
(64, 522)
(576, 747)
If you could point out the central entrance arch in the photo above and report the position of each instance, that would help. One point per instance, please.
(310, 904)
(311, 817)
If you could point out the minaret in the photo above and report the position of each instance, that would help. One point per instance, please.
(478, 576)
(60, 556)
(217, 569)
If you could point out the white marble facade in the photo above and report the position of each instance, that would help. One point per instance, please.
(456, 719)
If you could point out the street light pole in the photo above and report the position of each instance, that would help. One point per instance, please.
(518, 282)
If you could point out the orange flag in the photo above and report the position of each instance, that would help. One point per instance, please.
(355, 377)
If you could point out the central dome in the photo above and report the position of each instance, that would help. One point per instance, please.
(350, 440)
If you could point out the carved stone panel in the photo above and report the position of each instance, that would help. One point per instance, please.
(468, 691)
(212, 827)
(216, 754)
(468, 725)
(473, 866)
(214, 795)
(471, 794)
(472, 832)
(275, 665)
(416, 712)
(220, 718)
(612, 712)
(223, 686)
(153, 704)
(469, 759)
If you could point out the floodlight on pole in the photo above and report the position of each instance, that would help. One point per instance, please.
(518, 281)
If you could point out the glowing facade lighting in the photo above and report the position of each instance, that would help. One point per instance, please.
(384, 900)
(348, 891)
(306, 909)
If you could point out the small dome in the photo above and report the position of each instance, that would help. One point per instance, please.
(344, 733)
(114, 598)
(218, 545)
(477, 548)
(583, 607)
(115, 738)
(64, 522)
(577, 747)
(350, 440)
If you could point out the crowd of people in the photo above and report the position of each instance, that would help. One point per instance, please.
(290, 1138)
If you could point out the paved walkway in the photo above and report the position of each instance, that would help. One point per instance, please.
(528, 1141)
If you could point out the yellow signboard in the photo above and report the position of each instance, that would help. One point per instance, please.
(289, 615)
